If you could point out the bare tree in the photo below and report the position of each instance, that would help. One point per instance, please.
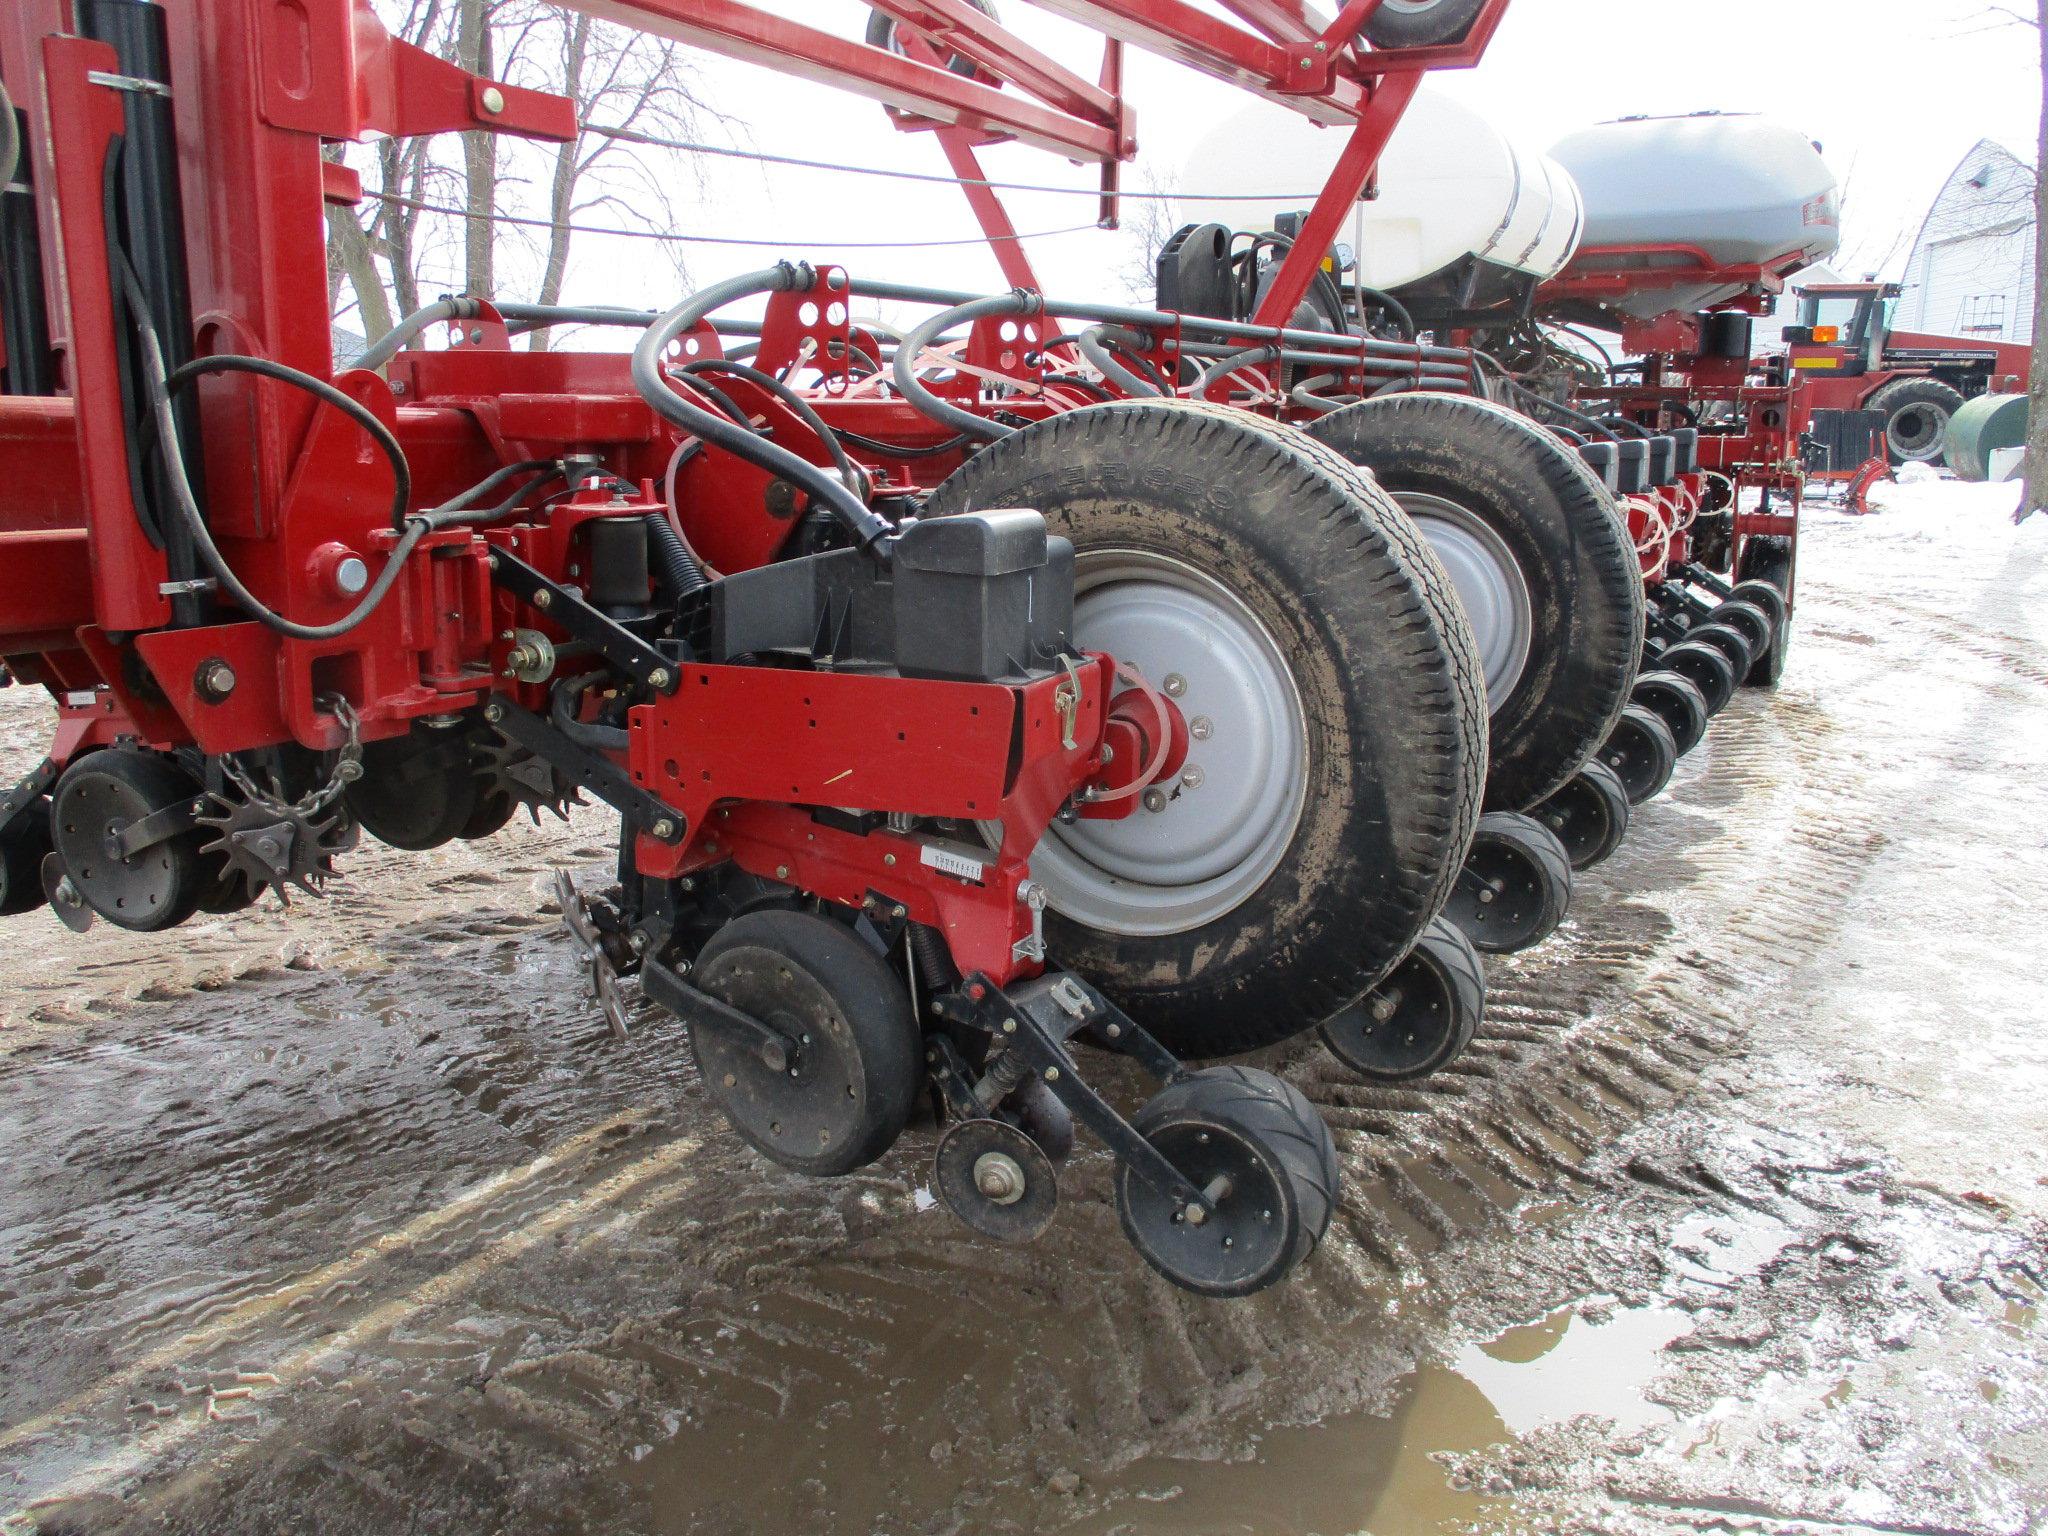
(623, 82)
(1151, 222)
(2035, 493)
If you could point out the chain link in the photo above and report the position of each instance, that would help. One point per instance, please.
(348, 767)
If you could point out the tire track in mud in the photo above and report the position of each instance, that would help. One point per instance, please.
(677, 1332)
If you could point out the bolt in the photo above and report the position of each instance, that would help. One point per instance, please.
(1009, 1026)
(1322, 47)
(1176, 685)
(1155, 799)
(494, 100)
(639, 943)
(1200, 728)
(664, 828)
(782, 871)
(889, 859)
(1108, 753)
(543, 599)
(216, 679)
(899, 910)
(1192, 777)
(494, 712)
(658, 678)
(1114, 1030)
(1052, 1074)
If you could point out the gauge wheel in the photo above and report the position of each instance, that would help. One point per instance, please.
(1706, 667)
(1335, 708)
(1642, 752)
(1516, 885)
(1421, 1018)
(1589, 815)
(1678, 702)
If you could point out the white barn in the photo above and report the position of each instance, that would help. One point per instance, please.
(1971, 272)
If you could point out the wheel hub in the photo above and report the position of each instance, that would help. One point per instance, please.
(1490, 586)
(1205, 842)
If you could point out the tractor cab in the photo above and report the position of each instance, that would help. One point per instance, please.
(1843, 328)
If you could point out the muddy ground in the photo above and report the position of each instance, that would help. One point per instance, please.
(355, 1219)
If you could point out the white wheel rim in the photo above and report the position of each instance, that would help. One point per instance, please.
(1490, 586)
(1227, 822)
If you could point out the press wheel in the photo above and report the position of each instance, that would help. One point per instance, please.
(1706, 667)
(1421, 1018)
(1678, 702)
(1516, 885)
(1642, 752)
(1747, 620)
(1589, 815)
(1728, 640)
(155, 887)
(836, 1091)
(1263, 1156)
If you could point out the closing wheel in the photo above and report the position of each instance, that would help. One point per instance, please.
(1678, 702)
(1421, 23)
(1747, 620)
(996, 1179)
(1544, 571)
(1336, 720)
(832, 1086)
(419, 790)
(1764, 595)
(1768, 567)
(1729, 641)
(1263, 1157)
(1706, 667)
(1589, 815)
(23, 847)
(155, 887)
(1642, 752)
(1421, 1018)
(1516, 885)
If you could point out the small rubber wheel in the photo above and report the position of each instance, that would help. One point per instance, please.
(1762, 594)
(417, 791)
(1421, 23)
(847, 1088)
(1421, 1018)
(1299, 621)
(1769, 565)
(1706, 667)
(23, 847)
(1747, 620)
(1916, 414)
(1263, 1156)
(1642, 752)
(1589, 815)
(495, 806)
(1516, 885)
(1544, 570)
(152, 889)
(1729, 641)
(1678, 702)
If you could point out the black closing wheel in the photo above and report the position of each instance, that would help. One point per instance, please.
(1421, 23)
(1260, 1153)
(1544, 570)
(100, 794)
(1767, 568)
(419, 790)
(23, 847)
(996, 1179)
(1336, 712)
(1706, 667)
(1642, 752)
(1729, 641)
(1678, 702)
(832, 1093)
(1516, 885)
(1589, 815)
(1747, 620)
(1421, 1018)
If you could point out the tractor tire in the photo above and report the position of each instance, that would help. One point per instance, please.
(1548, 577)
(1300, 622)
(1421, 23)
(1916, 413)
(1771, 561)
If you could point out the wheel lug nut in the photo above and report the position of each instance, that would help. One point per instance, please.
(1175, 685)
(1155, 799)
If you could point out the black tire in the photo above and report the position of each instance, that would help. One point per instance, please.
(1589, 815)
(1642, 752)
(1748, 621)
(23, 847)
(495, 807)
(1916, 414)
(1762, 594)
(417, 791)
(810, 973)
(1706, 667)
(1421, 23)
(1263, 1134)
(1392, 744)
(1452, 462)
(157, 887)
(1678, 702)
(1515, 888)
(1730, 642)
(1769, 561)
(1421, 1018)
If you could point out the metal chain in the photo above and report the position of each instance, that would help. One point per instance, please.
(348, 767)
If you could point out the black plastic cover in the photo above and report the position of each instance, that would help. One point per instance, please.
(1631, 466)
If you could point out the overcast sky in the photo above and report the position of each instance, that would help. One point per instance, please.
(1896, 91)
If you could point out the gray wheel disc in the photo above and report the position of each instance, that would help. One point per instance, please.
(1489, 583)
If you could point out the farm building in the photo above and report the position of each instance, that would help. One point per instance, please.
(1971, 272)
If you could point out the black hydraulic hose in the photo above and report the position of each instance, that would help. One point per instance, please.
(678, 568)
(1228, 364)
(868, 528)
(789, 397)
(457, 510)
(1391, 305)
(913, 345)
(881, 449)
(1097, 344)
